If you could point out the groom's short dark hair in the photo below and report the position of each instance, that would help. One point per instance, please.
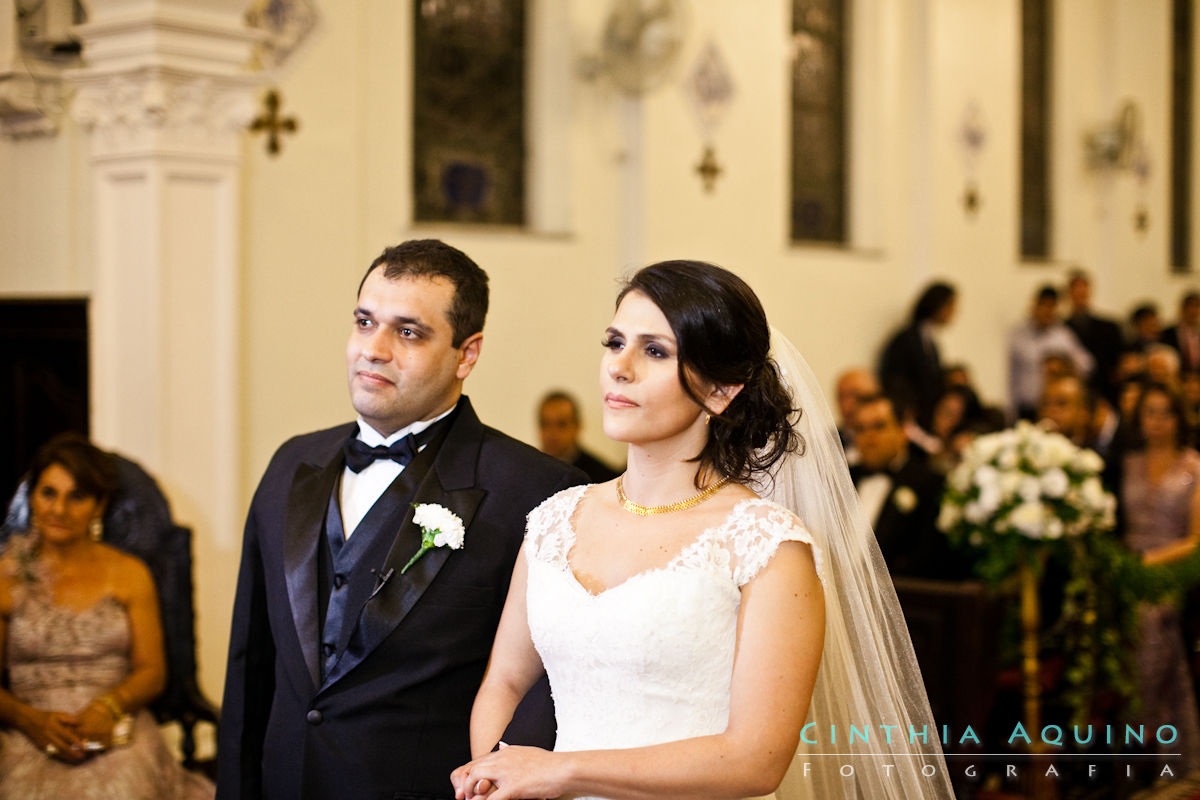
(433, 258)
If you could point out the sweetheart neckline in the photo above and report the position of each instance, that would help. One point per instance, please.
(572, 537)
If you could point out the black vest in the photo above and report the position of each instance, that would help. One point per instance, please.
(348, 569)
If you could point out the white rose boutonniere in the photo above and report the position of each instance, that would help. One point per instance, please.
(440, 527)
(905, 499)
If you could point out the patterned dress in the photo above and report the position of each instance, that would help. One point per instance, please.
(61, 659)
(1158, 514)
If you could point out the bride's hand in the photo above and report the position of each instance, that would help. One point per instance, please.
(511, 773)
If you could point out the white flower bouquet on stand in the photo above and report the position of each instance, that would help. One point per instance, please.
(1021, 487)
(1018, 498)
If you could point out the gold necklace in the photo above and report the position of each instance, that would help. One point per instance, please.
(646, 511)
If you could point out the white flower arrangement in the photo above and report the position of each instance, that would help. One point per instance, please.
(1026, 497)
(1025, 483)
(440, 527)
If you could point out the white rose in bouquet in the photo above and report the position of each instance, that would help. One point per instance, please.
(1030, 519)
(1055, 483)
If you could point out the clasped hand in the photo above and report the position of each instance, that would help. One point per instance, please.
(72, 737)
(510, 773)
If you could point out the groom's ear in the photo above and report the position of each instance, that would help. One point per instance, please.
(719, 397)
(468, 354)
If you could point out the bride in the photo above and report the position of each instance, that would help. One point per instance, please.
(700, 640)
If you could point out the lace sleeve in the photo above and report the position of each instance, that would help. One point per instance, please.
(548, 534)
(757, 531)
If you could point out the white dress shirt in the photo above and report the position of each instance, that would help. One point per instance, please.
(873, 491)
(360, 490)
(1028, 347)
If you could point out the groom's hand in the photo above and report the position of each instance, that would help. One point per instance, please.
(467, 787)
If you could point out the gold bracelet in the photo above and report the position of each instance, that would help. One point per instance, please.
(110, 703)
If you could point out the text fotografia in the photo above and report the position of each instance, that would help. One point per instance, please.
(895, 746)
(1011, 771)
(1128, 735)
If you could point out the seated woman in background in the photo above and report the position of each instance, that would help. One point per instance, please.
(82, 642)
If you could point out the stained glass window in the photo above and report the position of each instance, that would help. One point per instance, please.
(819, 80)
(469, 111)
(1036, 54)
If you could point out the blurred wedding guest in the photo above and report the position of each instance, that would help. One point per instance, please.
(956, 409)
(987, 416)
(1057, 365)
(82, 644)
(1145, 327)
(910, 367)
(558, 428)
(900, 493)
(852, 386)
(1184, 335)
(1106, 428)
(1099, 335)
(1066, 409)
(956, 406)
(1042, 335)
(957, 375)
(1161, 510)
(1130, 366)
(1162, 365)
(1069, 407)
(1130, 394)
(1189, 390)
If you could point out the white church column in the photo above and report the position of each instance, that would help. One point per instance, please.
(166, 94)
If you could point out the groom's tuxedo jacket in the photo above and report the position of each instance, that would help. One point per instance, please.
(381, 712)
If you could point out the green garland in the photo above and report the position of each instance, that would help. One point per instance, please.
(1105, 583)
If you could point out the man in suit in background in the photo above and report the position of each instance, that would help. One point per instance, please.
(558, 429)
(901, 494)
(1099, 335)
(356, 651)
(1184, 335)
(852, 385)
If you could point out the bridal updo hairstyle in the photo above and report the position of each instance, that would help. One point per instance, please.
(722, 337)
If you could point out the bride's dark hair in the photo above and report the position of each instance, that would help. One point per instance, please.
(722, 337)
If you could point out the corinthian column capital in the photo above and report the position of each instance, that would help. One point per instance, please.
(165, 77)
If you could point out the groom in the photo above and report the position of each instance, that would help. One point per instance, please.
(350, 674)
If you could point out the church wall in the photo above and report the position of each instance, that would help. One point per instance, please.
(44, 230)
(315, 216)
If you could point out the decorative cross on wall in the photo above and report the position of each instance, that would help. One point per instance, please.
(709, 169)
(271, 122)
(710, 88)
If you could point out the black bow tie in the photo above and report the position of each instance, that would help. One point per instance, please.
(360, 455)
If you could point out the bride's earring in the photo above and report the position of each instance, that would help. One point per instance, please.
(96, 529)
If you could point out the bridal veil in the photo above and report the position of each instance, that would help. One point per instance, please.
(869, 733)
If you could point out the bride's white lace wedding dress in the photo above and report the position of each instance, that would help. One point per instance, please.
(649, 660)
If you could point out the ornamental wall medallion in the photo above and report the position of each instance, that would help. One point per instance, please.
(286, 23)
